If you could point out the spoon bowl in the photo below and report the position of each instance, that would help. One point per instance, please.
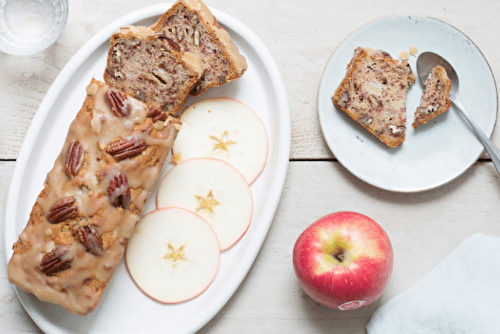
(426, 61)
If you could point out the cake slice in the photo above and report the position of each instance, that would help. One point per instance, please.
(190, 24)
(151, 68)
(91, 199)
(373, 93)
(436, 97)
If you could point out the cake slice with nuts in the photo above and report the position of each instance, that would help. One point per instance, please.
(436, 97)
(373, 93)
(151, 68)
(190, 24)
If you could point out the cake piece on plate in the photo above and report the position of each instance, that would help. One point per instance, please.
(151, 68)
(436, 97)
(373, 93)
(191, 24)
(91, 200)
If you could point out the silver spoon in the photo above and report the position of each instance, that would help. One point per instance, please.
(425, 62)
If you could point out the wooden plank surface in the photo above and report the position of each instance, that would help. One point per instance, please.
(301, 35)
(423, 228)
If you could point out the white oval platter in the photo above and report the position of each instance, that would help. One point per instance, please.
(434, 153)
(124, 309)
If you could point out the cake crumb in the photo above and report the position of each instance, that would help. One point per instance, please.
(403, 55)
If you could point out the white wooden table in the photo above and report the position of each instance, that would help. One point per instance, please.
(301, 35)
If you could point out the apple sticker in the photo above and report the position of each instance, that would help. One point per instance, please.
(352, 305)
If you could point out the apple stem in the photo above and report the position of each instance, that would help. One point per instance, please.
(339, 255)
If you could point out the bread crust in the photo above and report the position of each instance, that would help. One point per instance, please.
(373, 93)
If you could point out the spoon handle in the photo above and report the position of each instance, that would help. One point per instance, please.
(492, 149)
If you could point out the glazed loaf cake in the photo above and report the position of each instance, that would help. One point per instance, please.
(92, 198)
(151, 68)
(193, 27)
(373, 93)
(436, 97)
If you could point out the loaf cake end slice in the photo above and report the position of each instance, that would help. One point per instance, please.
(151, 68)
(192, 25)
(435, 99)
(373, 93)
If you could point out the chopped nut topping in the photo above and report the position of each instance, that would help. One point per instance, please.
(92, 89)
(159, 125)
(157, 115)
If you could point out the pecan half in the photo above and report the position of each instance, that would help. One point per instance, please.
(118, 103)
(74, 159)
(122, 149)
(56, 261)
(119, 191)
(157, 115)
(89, 237)
(62, 210)
(173, 45)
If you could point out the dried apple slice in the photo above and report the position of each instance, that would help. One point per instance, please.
(225, 129)
(213, 189)
(173, 255)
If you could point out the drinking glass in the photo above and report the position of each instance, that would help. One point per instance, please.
(30, 26)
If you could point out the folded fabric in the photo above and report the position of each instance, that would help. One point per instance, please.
(460, 295)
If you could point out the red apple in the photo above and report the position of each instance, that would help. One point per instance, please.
(343, 260)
